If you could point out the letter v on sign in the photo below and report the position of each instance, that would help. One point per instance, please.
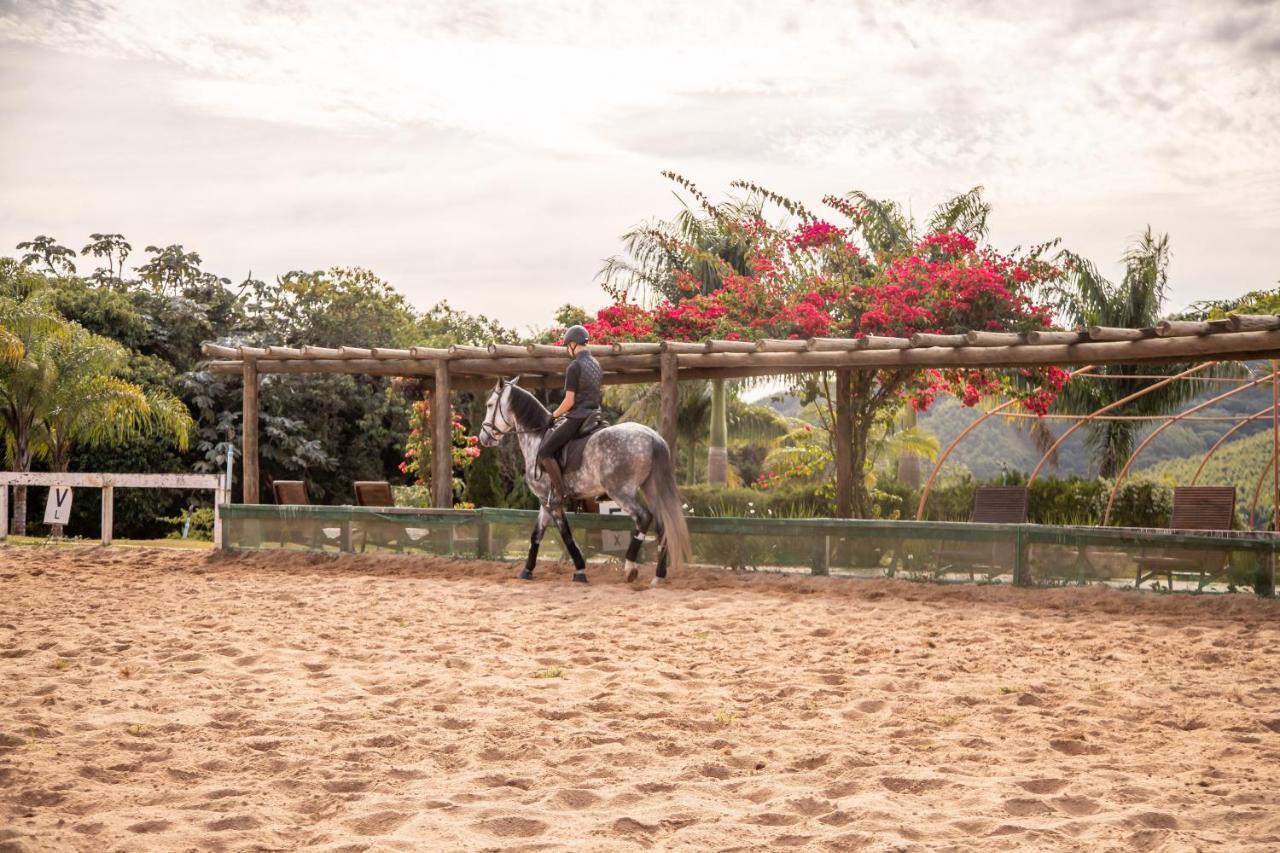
(58, 509)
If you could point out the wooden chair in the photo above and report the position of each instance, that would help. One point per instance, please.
(293, 493)
(991, 505)
(290, 492)
(1194, 508)
(376, 493)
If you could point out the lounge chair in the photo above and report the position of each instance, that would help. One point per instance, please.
(376, 493)
(991, 505)
(290, 492)
(1194, 508)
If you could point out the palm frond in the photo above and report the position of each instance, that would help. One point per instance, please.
(791, 206)
(883, 225)
(966, 213)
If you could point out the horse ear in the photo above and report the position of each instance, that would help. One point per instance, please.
(516, 380)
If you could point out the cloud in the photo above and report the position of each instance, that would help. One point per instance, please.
(492, 152)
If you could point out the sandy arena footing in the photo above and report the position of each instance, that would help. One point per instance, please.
(167, 700)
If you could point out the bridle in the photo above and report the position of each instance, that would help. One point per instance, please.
(492, 427)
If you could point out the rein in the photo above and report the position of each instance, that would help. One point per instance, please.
(506, 416)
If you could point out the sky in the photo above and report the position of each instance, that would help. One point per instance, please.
(491, 154)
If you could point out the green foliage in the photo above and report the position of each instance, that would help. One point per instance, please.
(1087, 299)
(197, 522)
(441, 325)
(330, 308)
(46, 251)
(1140, 502)
(795, 500)
(1253, 302)
(328, 430)
(1238, 463)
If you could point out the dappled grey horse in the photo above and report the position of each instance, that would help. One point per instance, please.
(620, 461)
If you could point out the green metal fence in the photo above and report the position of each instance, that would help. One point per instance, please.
(1025, 554)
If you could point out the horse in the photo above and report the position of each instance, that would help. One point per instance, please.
(621, 461)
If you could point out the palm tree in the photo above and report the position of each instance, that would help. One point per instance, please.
(90, 405)
(86, 403)
(1087, 299)
(656, 251)
(28, 322)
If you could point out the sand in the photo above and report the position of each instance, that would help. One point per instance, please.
(163, 700)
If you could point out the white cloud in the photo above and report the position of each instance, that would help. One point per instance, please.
(492, 152)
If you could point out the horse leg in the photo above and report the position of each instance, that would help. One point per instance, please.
(575, 554)
(535, 539)
(660, 573)
(641, 519)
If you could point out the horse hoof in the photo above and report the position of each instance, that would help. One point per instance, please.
(526, 575)
(631, 574)
(579, 577)
(657, 582)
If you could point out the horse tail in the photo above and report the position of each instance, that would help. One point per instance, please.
(663, 495)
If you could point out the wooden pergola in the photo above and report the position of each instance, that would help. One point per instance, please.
(470, 368)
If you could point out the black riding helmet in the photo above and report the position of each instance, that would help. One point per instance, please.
(576, 335)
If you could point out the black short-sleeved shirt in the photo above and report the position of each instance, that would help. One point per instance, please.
(584, 378)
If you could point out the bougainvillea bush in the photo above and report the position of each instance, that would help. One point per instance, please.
(814, 278)
(417, 454)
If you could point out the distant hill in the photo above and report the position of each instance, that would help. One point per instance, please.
(1237, 463)
(1001, 444)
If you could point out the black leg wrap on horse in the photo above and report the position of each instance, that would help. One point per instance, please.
(575, 554)
(661, 570)
(571, 546)
(633, 550)
(530, 561)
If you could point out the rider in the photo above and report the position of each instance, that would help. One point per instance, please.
(582, 383)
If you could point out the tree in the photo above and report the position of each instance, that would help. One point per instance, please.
(1086, 299)
(87, 404)
(45, 250)
(813, 279)
(115, 249)
(172, 269)
(664, 257)
(28, 325)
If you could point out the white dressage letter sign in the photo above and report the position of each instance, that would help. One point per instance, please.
(58, 509)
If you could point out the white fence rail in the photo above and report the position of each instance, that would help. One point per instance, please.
(108, 483)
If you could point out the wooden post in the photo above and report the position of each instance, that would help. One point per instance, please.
(442, 439)
(844, 443)
(669, 402)
(108, 510)
(249, 438)
(221, 495)
(4, 511)
(718, 447)
(1275, 445)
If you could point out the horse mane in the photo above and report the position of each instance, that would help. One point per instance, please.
(528, 411)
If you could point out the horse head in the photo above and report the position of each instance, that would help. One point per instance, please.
(498, 420)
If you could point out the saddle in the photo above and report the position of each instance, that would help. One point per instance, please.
(570, 456)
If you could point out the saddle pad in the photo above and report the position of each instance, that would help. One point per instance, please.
(570, 456)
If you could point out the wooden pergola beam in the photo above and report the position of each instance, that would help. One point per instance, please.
(473, 368)
(716, 364)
